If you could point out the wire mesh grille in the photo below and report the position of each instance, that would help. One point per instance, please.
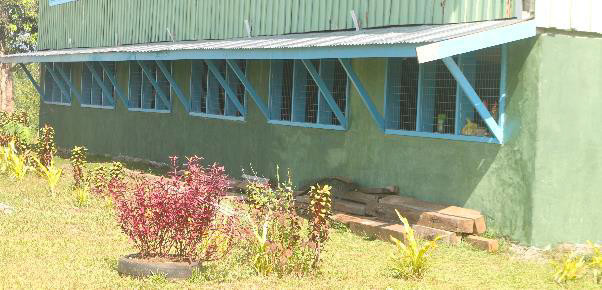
(52, 90)
(483, 70)
(135, 87)
(439, 94)
(198, 86)
(403, 79)
(237, 86)
(335, 77)
(286, 106)
(309, 95)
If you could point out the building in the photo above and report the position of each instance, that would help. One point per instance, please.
(461, 102)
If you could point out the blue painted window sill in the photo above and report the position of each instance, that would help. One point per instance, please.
(58, 104)
(221, 117)
(97, 107)
(307, 125)
(149, 110)
(480, 139)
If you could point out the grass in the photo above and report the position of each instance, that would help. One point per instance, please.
(52, 243)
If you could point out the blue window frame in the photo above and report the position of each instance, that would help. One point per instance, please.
(209, 98)
(142, 95)
(54, 89)
(58, 2)
(92, 94)
(295, 98)
(425, 100)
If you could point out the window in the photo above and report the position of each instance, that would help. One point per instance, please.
(53, 90)
(295, 98)
(426, 98)
(92, 94)
(142, 94)
(57, 2)
(209, 98)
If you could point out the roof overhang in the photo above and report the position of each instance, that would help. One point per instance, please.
(427, 42)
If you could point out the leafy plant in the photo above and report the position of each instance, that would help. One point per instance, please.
(320, 209)
(569, 268)
(411, 258)
(17, 164)
(51, 173)
(284, 244)
(78, 163)
(46, 146)
(101, 176)
(172, 216)
(596, 262)
(81, 196)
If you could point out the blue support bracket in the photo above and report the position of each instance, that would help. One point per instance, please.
(69, 83)
(229, 92)
(474, 98)
(151, 78)
(243, 79)
(357, 83)
(113, 80)
(33, 81)
(100, 83)
(183, 99)
(325, 92)
(57, 81)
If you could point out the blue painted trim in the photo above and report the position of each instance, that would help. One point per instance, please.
(58, 2)
(57, 103)
(97, 107)
(474, 98)
(149, 110)
(69, 83)
(115, 83)
(503, 76)
(229, 91)
(33, 81)
(443, 136)
(183, 99)
(57, 82)
(100, 83)
(325, 92)
(367, 51)
(249, 87)
(214, 116)
(307, 125)
(155, 85)
(376, 116)
(419, 98)
(477, 41)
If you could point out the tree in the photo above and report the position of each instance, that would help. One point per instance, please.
(18, 33)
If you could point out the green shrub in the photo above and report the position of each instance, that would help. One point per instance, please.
(101, 176)
(46, 146)
(411, 258)
(51, 173)
(596, 263)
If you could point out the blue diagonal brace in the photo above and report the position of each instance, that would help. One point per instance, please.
(183, 99)
(229, 91)
(243, 79)
(325, 92)
(100, 83)
(67, 80)
(472, 95)
(113, 80)
(33, 81)
(56, 79)
(151, 78)
(357, 83)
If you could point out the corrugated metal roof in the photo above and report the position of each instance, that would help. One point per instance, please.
(373, 37)
(579, 15)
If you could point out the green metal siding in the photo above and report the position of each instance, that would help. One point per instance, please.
(98, 23)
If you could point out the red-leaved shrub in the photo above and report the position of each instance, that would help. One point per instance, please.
(172, 217)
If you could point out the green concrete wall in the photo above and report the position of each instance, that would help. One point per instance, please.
(499, 180)
(567, 193)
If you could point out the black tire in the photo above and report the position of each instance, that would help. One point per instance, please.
(132, 266)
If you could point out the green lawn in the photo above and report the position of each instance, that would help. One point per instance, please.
(51, 243)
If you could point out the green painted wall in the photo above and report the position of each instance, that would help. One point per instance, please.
(97, 23)
(519, 185)
(567, 193)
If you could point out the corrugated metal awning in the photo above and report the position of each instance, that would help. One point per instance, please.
(380, 42)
